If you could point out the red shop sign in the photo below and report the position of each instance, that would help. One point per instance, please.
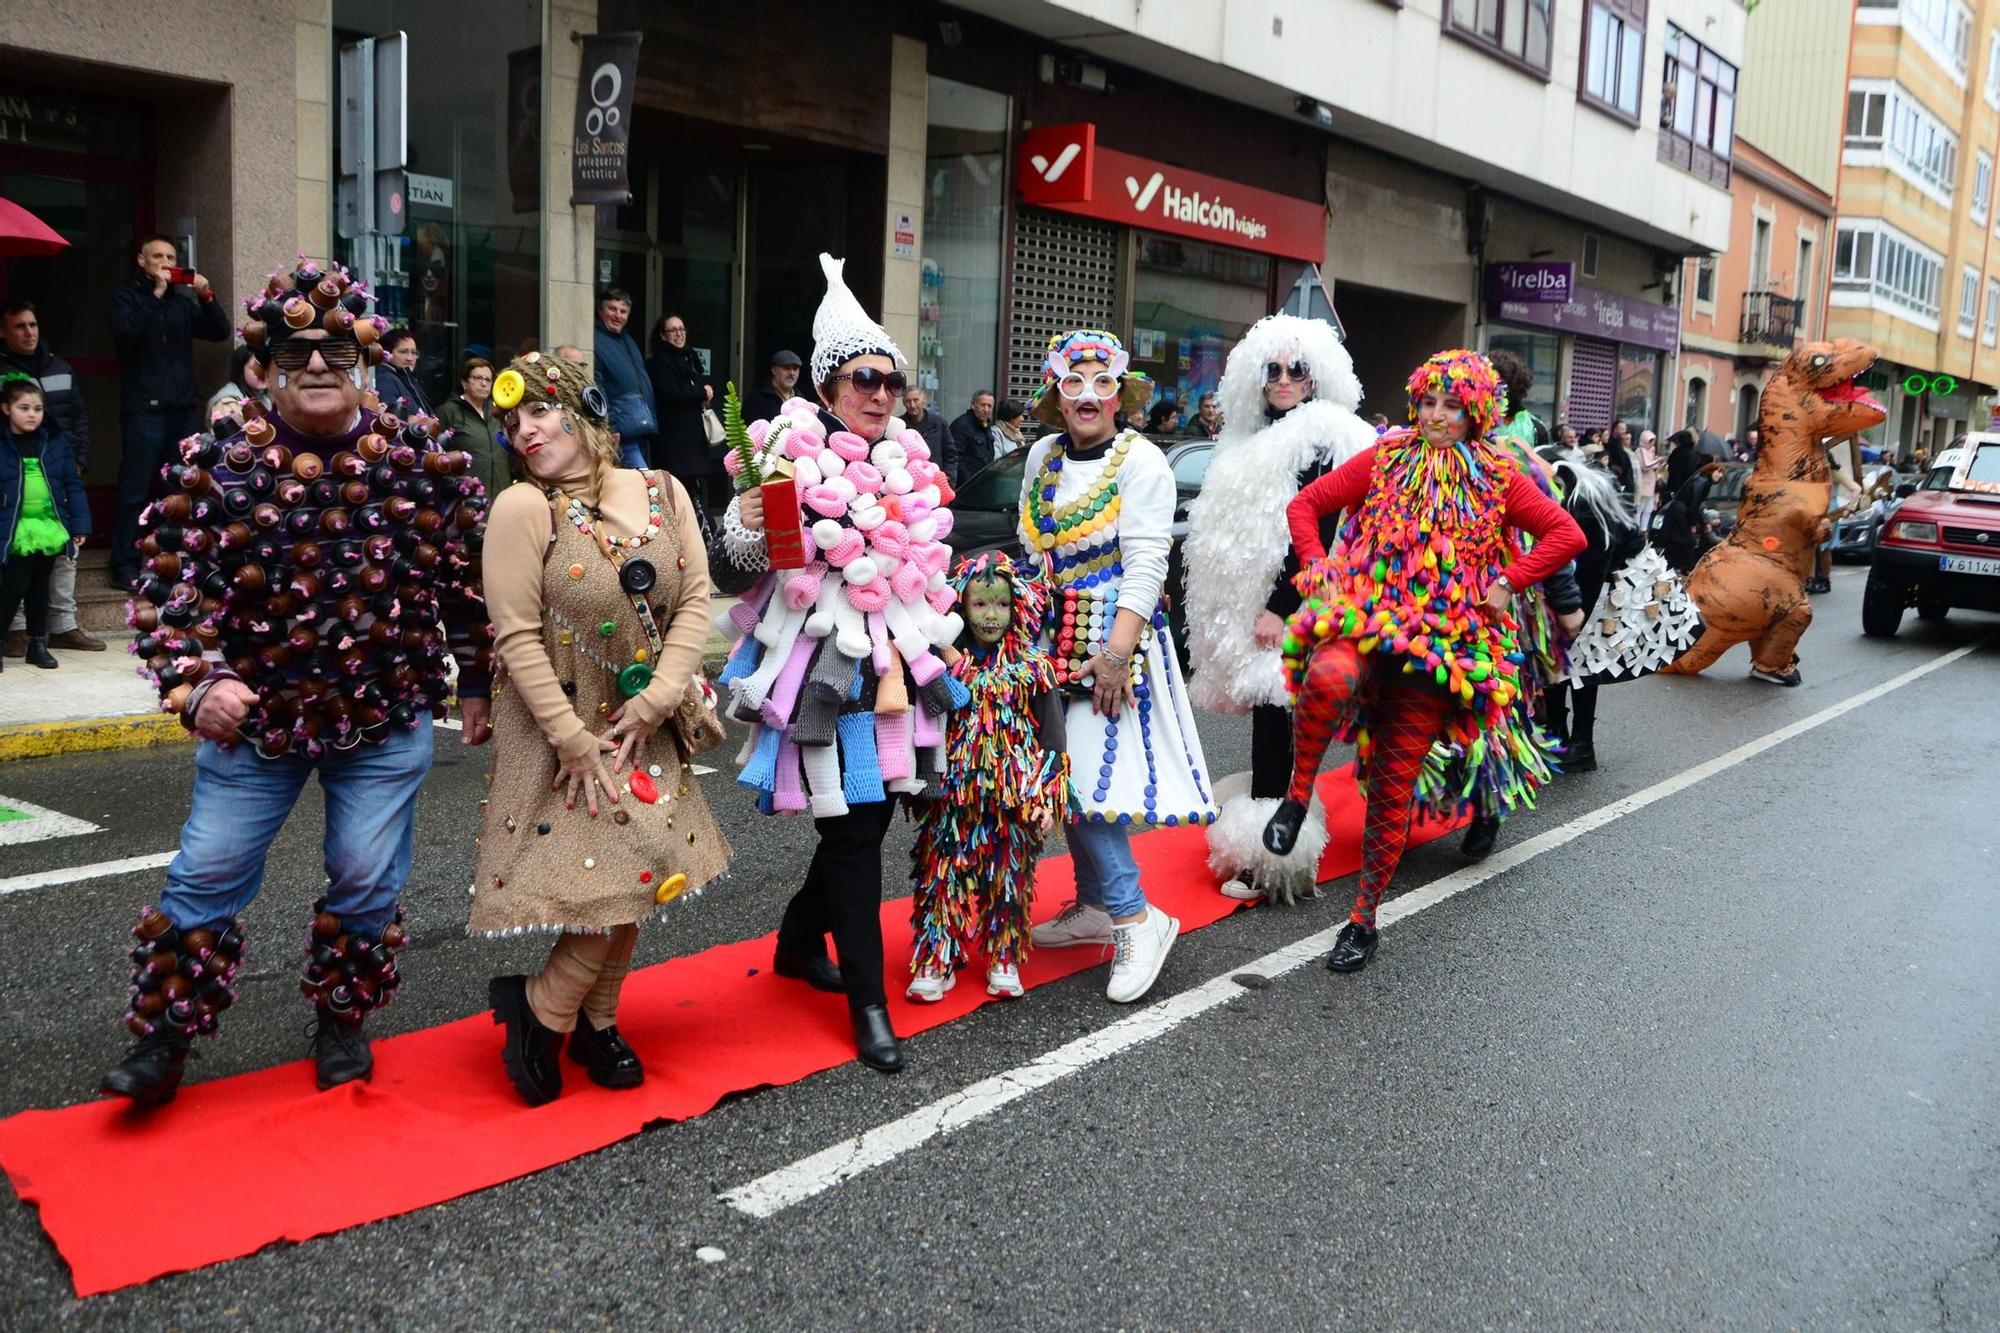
(1061, 167)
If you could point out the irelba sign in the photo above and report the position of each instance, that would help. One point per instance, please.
(1534, 283)
(604, 119)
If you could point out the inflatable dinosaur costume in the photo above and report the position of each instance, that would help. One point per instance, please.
(1751, 588)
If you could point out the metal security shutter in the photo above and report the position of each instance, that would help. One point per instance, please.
(1593, 382)
(1065, 277)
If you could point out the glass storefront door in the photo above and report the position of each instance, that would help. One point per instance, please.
(1192, 303)
(965, 211)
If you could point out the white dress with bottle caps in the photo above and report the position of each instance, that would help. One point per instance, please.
(1101, 530)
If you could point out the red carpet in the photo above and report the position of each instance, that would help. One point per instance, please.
(439, 1120)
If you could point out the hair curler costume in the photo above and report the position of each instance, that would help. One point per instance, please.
(1392, 645)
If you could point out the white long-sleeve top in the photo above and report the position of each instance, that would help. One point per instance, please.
(1146, 499)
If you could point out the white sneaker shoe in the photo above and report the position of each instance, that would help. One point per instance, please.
(1142, 949)
(930, 987)
(1242, 889)
(1079, 923)
(1004, 979)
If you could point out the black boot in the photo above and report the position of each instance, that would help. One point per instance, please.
(150, 1073)
(818, 971)
(1282, 833)
(40, 656)
(1352, 948)
(1480, 835)
(1581, 757)
(340, 1050)
(531, 1051)
(875, 1040)
(611, 1063)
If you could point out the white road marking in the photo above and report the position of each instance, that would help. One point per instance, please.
(48, 879)
(773, 1193)
(41, 824)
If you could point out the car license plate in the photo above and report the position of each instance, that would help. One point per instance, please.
(1969, 564)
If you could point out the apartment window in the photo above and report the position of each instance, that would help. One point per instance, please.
(1993, 70)
(1991, 329)
(1704, 280)
(1697, 404)
(1760, 256)
(1867, 114)
(1968, 300)
(1943, 26)
(1515, 30)
(1590, 249)
(1697, 108)
(1803, 286)
(1982, 186)
(1614, 39)
(1884, 117)
(1872, 257)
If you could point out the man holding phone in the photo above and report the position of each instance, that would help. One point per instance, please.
(155, 319)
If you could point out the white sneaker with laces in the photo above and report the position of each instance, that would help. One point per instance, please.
(1079, 923)
(930, 987)
(1004, 979)
(1242, 889)
(1141, 950)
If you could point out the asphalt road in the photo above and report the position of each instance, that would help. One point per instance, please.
(1729, 1059)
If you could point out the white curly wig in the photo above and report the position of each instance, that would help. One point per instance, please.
(1285, 339)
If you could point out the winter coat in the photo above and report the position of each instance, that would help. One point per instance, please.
(477, 435)
(933, 429)
(65, 485)
(677, 381)
(621, 374)
(155, 338)
(971, 448)
(61, 394)
(392, 386)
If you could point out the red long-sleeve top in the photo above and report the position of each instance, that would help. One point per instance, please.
(1558, 539)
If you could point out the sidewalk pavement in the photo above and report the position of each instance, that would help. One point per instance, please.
(98, 701)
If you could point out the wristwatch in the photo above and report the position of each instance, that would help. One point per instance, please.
(1505, 582)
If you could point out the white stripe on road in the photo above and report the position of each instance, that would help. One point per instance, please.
(48, 879)
(779, 1190)
(40, 825)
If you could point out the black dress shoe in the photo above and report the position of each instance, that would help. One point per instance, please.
(1352, 948)
(819, 972)
(340, 1051)
(1581, 757)
(1282, 833)
(875, 1040)
(531, 1050)
(150, 1073)
(612, 1064)
(1480, 835)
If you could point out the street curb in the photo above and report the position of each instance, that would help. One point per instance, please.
(39, 740)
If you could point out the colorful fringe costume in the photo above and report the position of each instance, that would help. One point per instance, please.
(1392, 647)
(1005, 768)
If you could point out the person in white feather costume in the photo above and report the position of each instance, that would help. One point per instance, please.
(1289, 396)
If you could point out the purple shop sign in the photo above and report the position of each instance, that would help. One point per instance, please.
(1531, 283)
(1598, 314)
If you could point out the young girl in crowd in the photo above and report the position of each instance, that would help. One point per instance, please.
(42, 510)
(1005, 782)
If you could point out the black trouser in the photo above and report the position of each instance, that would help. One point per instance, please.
(25, 578)
(843, 894)
(1577, 725)
(148, 437)
(1270, 752)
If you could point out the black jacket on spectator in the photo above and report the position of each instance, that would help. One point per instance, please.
(155, 337)
(680, 447)
(67, 410)
(969, 449)
(932, 428)
(393, 386)
(763, 404)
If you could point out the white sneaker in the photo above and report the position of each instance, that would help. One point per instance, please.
(1242, 889)
(930, 987)
(1004, 979)
(1079, 923)
(1142, 948)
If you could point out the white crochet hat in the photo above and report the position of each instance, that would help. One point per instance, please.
(842, 330)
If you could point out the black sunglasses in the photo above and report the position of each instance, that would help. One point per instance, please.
(868, 379)
(296, 353)
(1299, 371)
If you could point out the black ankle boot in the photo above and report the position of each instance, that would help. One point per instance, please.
(610, 1062)
(1282, 833)
(150, 1073)
(1581, 757)
(818, 971)
(1352, 948)
(531, 1051)
(1480, 835)
(875, 1040)
(40, 656)
(340, 1050)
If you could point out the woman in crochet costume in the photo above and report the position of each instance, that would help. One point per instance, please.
(839, 668)
(597, 584)
(1405, 636)
(1006, 782)
(1288, 396)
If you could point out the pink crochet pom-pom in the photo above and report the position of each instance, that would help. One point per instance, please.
(942, 600)
(845, 551)
(732, 464)
(865, 477)
(931, 557)
(944, 521)
(799, 407)
(907, 582)
(802, 586)
(758, 431)
(914, 446)
(869, 598)
(803, 444)
(848, 445)
(891, 537)
(823, 500)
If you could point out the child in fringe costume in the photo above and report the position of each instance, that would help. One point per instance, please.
(1405, 637)
(1005, 783)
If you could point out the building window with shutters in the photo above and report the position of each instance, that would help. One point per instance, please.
(1697, 109)
(1614, 40)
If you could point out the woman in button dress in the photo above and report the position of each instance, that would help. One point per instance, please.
(597, 584)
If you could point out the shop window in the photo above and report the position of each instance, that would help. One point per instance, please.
(1192, 303)
(965, 207)
(1515, 30)
(1638, 388)
(1697, 108)
(1968, 301)
(1541, 353)
(1614, 40)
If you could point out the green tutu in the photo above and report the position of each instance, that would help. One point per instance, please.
(39, 531)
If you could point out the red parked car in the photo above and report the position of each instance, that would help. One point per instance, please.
(1940, 548)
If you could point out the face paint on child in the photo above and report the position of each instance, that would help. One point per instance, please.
(989, 610)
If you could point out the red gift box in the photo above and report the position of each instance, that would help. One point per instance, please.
(784, 531)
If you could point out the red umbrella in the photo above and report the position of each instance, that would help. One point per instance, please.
(22, 233)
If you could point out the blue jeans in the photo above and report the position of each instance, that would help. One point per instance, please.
(636, 453)
(241, 801)
(1106, 874)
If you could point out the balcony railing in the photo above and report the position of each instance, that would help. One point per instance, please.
(1771, 320)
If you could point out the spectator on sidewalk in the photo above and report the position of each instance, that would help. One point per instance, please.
(396, 382)
(682, 393)
(573, 354)
(969, 444)
(1163, 419)
(154, 322)
(1007, 419)
(621, 374)
(470, 416)
(22, 352)
(43, 514)
(917, 415)
(783, 384)
(1207, 417)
